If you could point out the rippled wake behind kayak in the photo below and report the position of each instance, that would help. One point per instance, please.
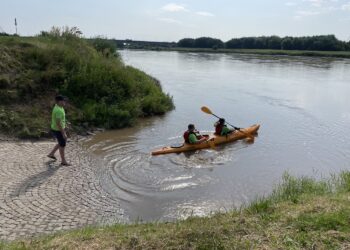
(301, 104)
(152, 188)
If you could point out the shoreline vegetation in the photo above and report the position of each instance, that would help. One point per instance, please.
(300, 213)
(103, 92)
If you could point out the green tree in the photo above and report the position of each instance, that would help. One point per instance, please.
(186, 43)
(248, 42)
(287, 43)
(274, 42)
(234, 43)
(207, 42)
(260, 42)
(104, 46)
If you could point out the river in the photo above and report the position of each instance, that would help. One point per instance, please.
(302, 104)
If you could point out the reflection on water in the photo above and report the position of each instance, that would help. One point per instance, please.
(301, 103)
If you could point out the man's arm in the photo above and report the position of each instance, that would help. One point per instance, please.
(193, 139)
(59, 126)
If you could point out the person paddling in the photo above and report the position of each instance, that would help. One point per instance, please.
(221, 128)
(192, 136)
(58, 125)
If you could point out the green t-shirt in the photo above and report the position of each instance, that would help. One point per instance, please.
(225, 130)
(58, 113)
(192, 138)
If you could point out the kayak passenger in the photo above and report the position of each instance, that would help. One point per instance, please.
(221, 128)
(192, 136)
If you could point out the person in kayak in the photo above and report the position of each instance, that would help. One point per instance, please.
(222, 129)
(192, 136)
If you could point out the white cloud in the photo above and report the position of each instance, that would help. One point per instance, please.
(316, 3)
(320, 3)
(346, 6)
(307, 13)
(290, 3)
(169, 20)
(173, 7)
(204, 13)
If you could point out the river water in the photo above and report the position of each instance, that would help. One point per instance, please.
(301, 103)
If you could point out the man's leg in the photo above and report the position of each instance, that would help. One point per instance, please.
(62, 145)
(52, 153)
(63, 159)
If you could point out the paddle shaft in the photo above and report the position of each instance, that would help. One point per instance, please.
(226, 122)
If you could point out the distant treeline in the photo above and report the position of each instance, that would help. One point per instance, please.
(131, 44)
(320, 43)
(6, 34)
(317, 43)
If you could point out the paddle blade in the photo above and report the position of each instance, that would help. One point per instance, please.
(206, 110)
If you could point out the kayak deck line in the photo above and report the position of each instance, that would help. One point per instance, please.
(213, 140)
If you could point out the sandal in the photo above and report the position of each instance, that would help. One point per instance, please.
(52, 157)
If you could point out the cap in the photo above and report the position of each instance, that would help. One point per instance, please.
(60, 98)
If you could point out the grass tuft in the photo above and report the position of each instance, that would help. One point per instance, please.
(344, 182)
(292, 188)
(324, 221)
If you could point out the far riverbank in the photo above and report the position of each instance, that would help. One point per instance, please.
(310, 53)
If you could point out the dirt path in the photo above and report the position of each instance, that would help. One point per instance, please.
(38, 196)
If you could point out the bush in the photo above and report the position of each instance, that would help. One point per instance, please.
(62, 32)
(4, 82)
(8, 96)
(104, 46)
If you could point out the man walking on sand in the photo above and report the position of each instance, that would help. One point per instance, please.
(58, 125)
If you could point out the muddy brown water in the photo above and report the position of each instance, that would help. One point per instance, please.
(301, 103)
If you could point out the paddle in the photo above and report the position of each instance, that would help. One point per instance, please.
(209, 141)
(208, 111)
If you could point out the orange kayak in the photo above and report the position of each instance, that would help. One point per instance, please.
(213, 140)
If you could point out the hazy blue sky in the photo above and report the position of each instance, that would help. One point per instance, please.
(171, 20)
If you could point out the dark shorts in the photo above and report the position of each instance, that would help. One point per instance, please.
(60, 139)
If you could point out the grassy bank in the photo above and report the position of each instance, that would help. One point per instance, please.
(103, 92)
(336, 54)
(301, 213)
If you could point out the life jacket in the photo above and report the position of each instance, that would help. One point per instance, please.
(187, 136)
(218, 128)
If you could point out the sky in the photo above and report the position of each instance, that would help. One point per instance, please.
(159, 20)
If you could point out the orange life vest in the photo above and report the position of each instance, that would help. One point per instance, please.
(218, 128)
